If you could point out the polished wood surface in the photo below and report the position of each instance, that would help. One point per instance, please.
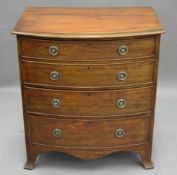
(87, 76)
(89, 50)
(143, 150)
(88, 63)
(88, 103)
(88, 22)
(88, 133)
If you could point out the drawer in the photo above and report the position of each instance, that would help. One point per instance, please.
(87, 75)
(88, 103)
(88, 50)
(95, 133)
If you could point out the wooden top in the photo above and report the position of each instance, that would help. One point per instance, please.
(88, 22)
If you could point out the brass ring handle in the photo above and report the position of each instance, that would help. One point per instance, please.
(122, 75)
(123, 50)
(54, 75)
(56, 103)
(120, 132)
(53, 50)
(56, 132)
(121, 103)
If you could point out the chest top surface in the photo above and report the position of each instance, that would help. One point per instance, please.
(88, 22)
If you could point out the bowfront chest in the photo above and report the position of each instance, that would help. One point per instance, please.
(88, 80)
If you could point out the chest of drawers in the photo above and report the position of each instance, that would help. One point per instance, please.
(88, 80)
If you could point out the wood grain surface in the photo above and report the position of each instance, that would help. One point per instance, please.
(87, 76)
(88, 103)
(88, 62)
(89, 50)
(88, 133)
(88, 22)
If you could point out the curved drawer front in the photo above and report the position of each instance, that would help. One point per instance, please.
(87, 75)
(88, 50)
(88, 103)
(88, 133)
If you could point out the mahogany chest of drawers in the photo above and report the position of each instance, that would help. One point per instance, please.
(88, 80)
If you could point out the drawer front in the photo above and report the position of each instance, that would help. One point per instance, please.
(88, 50)
(88, 133)
(88, 103)
(88, 75)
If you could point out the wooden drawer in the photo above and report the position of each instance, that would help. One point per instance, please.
(88, 103)
(88, 133)
(87, 75)
(88, 50)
